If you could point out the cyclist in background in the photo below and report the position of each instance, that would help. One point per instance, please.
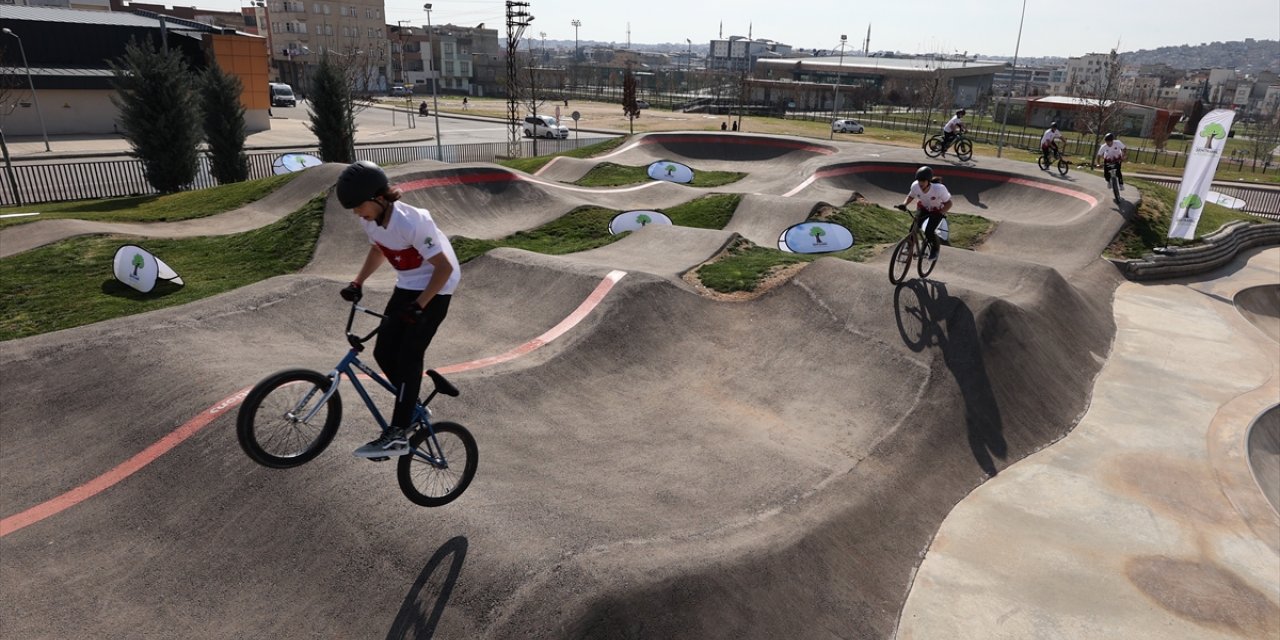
(952, 129)
(427, 272)
(933, 201)
(1049, 143)
(1111, 152)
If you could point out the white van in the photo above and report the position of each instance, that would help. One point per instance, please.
(282, 95)
(544, 127)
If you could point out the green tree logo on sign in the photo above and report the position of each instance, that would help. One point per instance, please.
(643, 219)
(817, 233)
(1212, 132)
(670, 169)
(1190, 202)
(137, 264)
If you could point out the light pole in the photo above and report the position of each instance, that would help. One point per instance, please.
(1008, 97)
(31, 84)
(435, 104)
(576, 23)
(835, 88)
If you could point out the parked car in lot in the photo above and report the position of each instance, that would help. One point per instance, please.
(642, 104)
(400, 90)
(544, 127)
(282, 95)
(846, 126)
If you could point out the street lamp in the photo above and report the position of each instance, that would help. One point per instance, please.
(31, 84)
(435, 104)
(835, 88)
(1008, 97)
(576, 56)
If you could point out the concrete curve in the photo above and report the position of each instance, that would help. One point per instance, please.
(1261, 305)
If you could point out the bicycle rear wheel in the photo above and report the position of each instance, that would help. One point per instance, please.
(900, 261)
(1063, 167)
(924, 266)
(1043, 162)
(282, 424)
(964, 150)
(435, 473)
(933, 147)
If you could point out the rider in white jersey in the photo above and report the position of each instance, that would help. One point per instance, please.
(933, 201)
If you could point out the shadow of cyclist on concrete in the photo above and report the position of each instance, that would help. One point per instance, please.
(414, 621)
(932, 317)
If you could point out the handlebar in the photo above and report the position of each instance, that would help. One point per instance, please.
(354, 340)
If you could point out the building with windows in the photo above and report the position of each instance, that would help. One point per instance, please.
(353, 31)
(810, 81)
(74, 83)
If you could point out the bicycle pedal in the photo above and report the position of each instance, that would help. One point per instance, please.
(379, 459)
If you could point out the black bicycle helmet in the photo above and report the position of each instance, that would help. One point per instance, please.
(960, 112)
(1053, 125)
(360, 182)
(924, 173)
(1109, 137)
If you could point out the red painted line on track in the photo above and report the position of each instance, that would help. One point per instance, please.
(191, 427)
(466, 178)
(729, 139)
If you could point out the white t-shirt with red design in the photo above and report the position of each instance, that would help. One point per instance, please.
(408, 240)
(934, 200)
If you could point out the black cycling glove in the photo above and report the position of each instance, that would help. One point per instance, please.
(411, 313)
(351, 292)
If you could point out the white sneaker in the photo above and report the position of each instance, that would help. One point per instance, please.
(391, 443)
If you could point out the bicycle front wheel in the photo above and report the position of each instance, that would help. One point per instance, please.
(1063, 167)
(900, 261)
(1115, 187)
(964, 150)
(282, 422)
(933, 147)
(924, 266)
(436, 472)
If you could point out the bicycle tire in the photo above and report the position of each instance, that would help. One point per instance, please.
(1063, 167)
(1044, 163)
(1115, 187)
(933, 147)
(899, 262)
(964, 150)
(426, 484)
(292, 442)
(924, 266)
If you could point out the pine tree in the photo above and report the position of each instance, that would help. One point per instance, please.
(158, 113)
(224, 129)
(333, 117)
(629, 106)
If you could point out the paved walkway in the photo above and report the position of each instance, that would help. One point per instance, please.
(1145, 521)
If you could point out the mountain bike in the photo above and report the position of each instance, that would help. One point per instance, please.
(933, 147)
(1061, 162)
(1111, 169)
(291, 416)
(912, 247)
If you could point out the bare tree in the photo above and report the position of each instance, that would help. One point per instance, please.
(935, 93)
(1101, 94)
(1264, 140)
(629, 106)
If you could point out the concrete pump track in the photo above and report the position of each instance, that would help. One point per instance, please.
(653, 463)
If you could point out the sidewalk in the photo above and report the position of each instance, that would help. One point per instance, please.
(1146, 520)
(284, 133)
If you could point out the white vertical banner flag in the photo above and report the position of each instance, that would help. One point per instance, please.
(1202, 163)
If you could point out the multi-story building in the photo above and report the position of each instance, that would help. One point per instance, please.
(1084, 75)
(351, 30)
(1023, 81)
(740, 54)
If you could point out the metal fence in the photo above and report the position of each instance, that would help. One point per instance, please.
(1260, 202)
(1021, 137)
(53, 182)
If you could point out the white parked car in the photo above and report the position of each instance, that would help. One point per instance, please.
(544, 127)
(846, 126)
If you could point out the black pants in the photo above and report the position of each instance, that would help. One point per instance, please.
(1106, 171)
(401, 349)
(947, 138)
(929, 222)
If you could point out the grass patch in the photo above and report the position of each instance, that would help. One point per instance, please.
(184, 205)
(1150, 228)
(708, 212)
(531, 165)
(608, 174)
(744, 266)
(70, 283)
(587, 228)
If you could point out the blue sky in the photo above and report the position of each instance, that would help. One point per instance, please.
(989, 27)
